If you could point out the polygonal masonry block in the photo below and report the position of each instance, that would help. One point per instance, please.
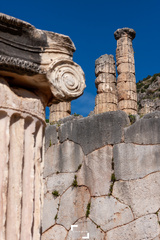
(146, 227)
(144, 131)
(73, 205)
(84, 228)
(50, 136)
(63, 158)
(109, 213)
(59, 182)
(135, 161)
(50, 208)
(143, 195)
(96, 171)
(95, 131)
(57, 232)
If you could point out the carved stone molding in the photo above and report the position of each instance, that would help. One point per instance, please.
(66, 79)
(39, 60)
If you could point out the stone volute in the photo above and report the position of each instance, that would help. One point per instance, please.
(36, 70)
(40, 60)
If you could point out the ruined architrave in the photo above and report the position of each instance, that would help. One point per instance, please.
(126, 83)
(59, 111)
(36, 70)
(106, 99)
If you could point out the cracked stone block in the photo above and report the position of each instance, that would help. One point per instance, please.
(142, 195)
(64, 157)
(95, 131)
(59, 182)
(109, 213)
(144, 131)
(143, 228)
(135, 161)
(73, 205)
(85, 228)
(50, 206)
(50, 136)
(57, 232)
(96, 171)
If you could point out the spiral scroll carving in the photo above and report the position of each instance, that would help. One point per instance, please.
(66, 79)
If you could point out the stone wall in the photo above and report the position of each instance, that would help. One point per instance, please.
(102, 178)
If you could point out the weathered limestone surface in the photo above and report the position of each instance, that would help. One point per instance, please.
(119, 179)
(135, 161)
(50, 136)
(59, 182)
(49, 211)
(146, 227)
(73, 205)
(106, 99)
(85, 227)
(57, 232)
(144, 131)
(143, 195)
(65, 157)
(59, 111)
(95, 131)
(96, 171)
(126, 83)
(109, 213)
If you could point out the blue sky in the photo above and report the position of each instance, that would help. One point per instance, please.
(91, 25)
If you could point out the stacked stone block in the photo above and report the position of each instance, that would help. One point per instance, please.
(106, 99)
(116, 191)
(59, 111)
(126, 82)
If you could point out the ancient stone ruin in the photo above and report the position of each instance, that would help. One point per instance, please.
(106, 99)
(36, 70)
(126, 83)
(81, 178)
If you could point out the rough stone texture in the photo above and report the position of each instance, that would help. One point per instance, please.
(106, 84)
(44, 57)
(146, 227)
(57, 232)
(142, 131)
(95, 131)
(65, 157)
(135, 161)
(96, 171)
(50, 136)
(148, 94)
(59, 182)
(73, 206)
(126, 87)
(59, 111)
(142, 195)
(49, 211)
(109, 213)
(85, 227)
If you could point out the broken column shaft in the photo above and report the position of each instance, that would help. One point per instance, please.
(106, 99)
(59, 111)
(126, 82)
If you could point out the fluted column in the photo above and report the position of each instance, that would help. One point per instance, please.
(106, 99)
(59, 111)
(126, 82)
(22, 132)
(36, 70)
